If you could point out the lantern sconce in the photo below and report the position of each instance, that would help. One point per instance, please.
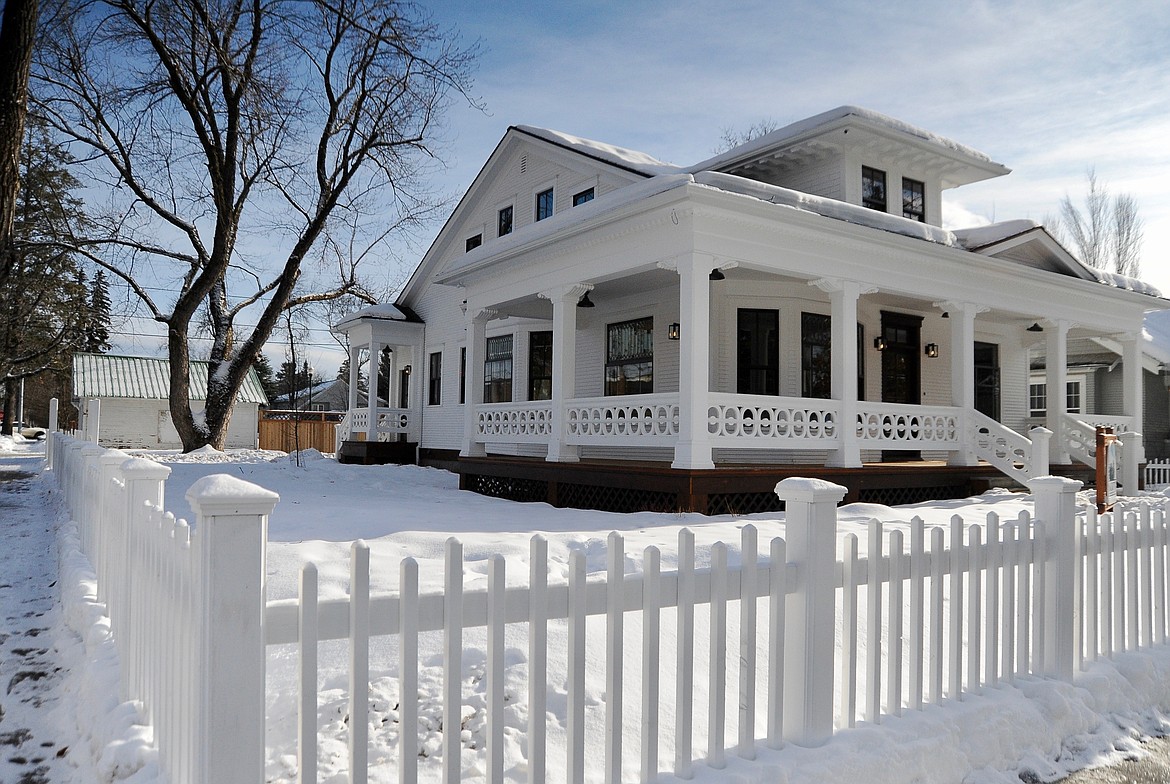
(673, 331)
(932, 350)
(879, 343)
(406, 370)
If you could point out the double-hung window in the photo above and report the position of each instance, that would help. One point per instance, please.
(504, 221)
(435, 379)
(497, 370)
(913, 200)
(629, 357)
(540, 366)
(544, 204)
(816, 364)
(873, 188)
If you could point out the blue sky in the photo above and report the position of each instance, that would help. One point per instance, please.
(1047, 88)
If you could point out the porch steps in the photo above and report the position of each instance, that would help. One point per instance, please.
(378, 452)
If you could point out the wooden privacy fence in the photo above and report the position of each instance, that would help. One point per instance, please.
(289, 431)
(927, 614)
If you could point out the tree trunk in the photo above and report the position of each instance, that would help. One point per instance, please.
(17, 32)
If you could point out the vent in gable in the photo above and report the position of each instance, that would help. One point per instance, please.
(523, 164)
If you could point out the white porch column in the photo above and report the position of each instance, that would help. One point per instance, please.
(843, 296)
(1132, 394)
(476, 345)
(962, 318)
(693, 449)
(564, 367)
(375, 349)
(1056, 385)
(355, 354)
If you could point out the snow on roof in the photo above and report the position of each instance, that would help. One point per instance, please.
(146, 378)
(1156, 334)
(829, 208)
(626, 158)
(810, 125)
(982, 236)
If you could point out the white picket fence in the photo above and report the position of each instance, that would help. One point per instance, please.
(927, 615)
(1157, 475)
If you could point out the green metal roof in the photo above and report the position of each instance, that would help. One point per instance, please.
(146, 378)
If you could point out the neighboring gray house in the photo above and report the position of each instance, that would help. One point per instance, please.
(324, 396)
(1094, 383)
(135, 413)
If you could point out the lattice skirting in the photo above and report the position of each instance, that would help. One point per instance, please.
(895, 496)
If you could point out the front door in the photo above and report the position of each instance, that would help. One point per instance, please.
(403, 393)
(901, 369)
(757, 352)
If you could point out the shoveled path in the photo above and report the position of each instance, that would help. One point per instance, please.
(32, 638)
(1154, 769)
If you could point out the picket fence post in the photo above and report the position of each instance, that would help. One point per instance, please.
(1131, 458)
(232, 526)
(811, 533)
(49, 443)
(1055, 500)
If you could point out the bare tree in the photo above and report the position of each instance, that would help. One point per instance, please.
(1107, 233)
(17, 32)
(247, 149)
(733, 137)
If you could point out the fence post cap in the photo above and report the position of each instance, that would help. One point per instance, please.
(112, 457)
(91, 448)
(1040, 430)
(223, 494)
(1058, 483)
(796, 488)
(141, 468)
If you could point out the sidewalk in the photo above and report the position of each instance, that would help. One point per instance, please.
(33, 747)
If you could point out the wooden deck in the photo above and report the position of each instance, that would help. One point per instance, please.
(619, 486)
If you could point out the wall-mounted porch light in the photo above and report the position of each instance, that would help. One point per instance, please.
(879, 343)
(673, 331)
(406, 370)
(932, 350)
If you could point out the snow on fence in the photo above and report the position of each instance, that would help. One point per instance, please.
(936, 617)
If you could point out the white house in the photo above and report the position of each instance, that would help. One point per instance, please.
(595, 327)
(134, 410)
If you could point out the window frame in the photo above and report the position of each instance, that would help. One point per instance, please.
(818, 387)
(910, 212)
(550, 192)
(642, 363)
(869, 201)
(747, 373)
(510, 209)
(540, 367)
(585, 196)
(435, 378)
(498, 370)
(462, 375)
(473, 242)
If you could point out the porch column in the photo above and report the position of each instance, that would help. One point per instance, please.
(355, 353)
(476, 344)
(962, 318)
(1056, 385)
(375, 349)
(1132, 390)
(564, 367)
(693, 449)
(843, 296)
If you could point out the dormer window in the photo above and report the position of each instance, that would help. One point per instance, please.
(913, 200)
(873, 188)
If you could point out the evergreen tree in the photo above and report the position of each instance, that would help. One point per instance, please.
(96, 339)
(264, 372)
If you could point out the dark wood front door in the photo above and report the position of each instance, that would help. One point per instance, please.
(901, 369)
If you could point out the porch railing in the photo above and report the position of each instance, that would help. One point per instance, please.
(640, 420)
(530, 422)
(390, 421)
(900, 426)
(1080, 434)
(1016, 455)
(777, 422)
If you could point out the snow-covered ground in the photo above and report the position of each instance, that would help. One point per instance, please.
(1035, 729)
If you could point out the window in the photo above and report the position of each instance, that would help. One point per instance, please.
(1038, 398)
(497, 370)
(913, 200)
(1072, 397)
(504, 221)
(474, 242)
(544, 204)
(757, 352)
(463, 374)
(540, 366)
(435, 379)
(873, 188)
(582, 197)
(816, 366)
(629, 357)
